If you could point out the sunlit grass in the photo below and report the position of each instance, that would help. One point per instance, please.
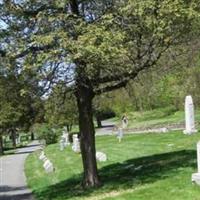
(143, 166)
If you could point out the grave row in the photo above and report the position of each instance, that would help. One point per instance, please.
(47, 164)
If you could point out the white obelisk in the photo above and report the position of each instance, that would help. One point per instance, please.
(189, 116)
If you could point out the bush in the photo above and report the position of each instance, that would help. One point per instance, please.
(46, 132)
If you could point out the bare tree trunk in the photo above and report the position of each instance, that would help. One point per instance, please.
(68, 128)
(32, 136)
(1, 144)
(13, 136)
(87, 137)
(99, 124)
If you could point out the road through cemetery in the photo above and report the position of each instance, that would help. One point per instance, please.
(12, 178)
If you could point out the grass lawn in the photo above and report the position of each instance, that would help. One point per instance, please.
(153, 118)
(141, 167)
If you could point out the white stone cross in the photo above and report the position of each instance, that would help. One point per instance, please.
(120, 134)
(189, 116)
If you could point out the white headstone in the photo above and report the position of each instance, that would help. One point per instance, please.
(189, 116)
(48, 166)
(164, 130)
(62, 144)
(42, 156)
(75, 136)
(17, 140)
(46, 163)
(196, 176)
(64, 141)
(65, 136)
(101, 157)
(76, 144)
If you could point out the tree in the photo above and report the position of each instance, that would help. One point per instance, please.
(97, 46)
(20, 107)
(9, 108)
(60, 108)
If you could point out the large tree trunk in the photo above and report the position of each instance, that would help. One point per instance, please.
(87, 137)
(1, 144)
(13, 136)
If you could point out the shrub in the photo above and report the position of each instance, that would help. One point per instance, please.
(46, 132)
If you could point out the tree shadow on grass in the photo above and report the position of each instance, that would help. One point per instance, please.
(125, 175)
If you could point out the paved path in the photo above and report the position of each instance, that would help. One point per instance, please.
(12, 177)
(109, 129)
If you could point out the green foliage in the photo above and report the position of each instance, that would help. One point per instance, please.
(61, 109)
(46, 132)
(125, 40)
(19, 106)
(24, 138)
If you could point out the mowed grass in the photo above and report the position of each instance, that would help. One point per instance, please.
(142, 166)
(154, 118)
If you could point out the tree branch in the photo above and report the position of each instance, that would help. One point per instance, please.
(111, 87)
(27, 51)
(32, 13)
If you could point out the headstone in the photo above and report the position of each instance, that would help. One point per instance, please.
(164, 130)
(189, 116)
(120, 134)
(42, 156)
(75, 136)
(17, 140)
(46, 163)
(65, 136)
(76, 144)
(65, 129)
(101, 157)
(48, 166)
(196, 176)
(62, 144)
